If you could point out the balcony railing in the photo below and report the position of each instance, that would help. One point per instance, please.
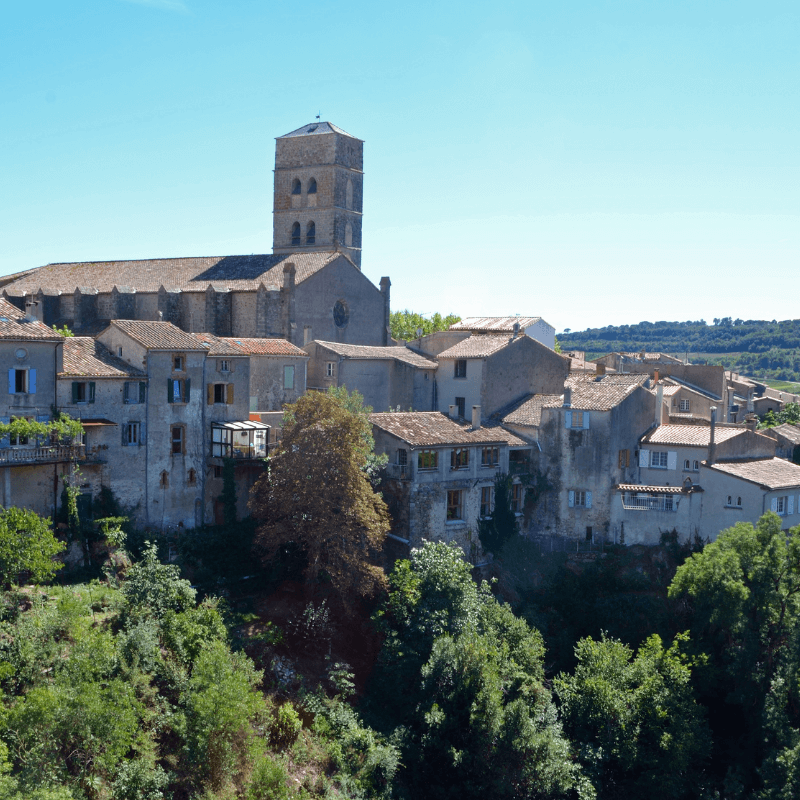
(398, 472)
(41, 455)
(658, 503)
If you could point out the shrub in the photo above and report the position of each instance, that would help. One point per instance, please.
(285, 727)
(268, 781)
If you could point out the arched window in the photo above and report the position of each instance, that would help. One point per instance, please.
(730, 502)
(349, 194)
(164, 479)
(686, 464)
(311, 233)
(348, 235)
(297, 188)
(191, 478)
(296, 233)
(312, 186)
(738, 501)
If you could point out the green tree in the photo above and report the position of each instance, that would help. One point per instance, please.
(495, 531)
(27, 547)
(405, 324)
(316, 497)
(634, 717)
(742, 593)
(64, 331)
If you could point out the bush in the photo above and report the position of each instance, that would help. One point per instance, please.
(285, 727)
(268, 781)
(139, 780)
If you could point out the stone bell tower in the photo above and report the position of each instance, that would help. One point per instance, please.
(319, 180)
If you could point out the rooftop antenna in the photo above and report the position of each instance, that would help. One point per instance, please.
(318, 113)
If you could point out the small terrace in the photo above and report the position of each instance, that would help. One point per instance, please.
(46, 454)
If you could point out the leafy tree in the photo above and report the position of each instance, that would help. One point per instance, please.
(404, 324)
(502, 525)
(316, 496)
(27, 547)
(64, 331)
(742, 593)
(640, 731)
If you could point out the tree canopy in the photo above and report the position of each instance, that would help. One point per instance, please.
(316, 495)
(404, 324)
(27, 547)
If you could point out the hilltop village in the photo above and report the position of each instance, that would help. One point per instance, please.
(179, 364)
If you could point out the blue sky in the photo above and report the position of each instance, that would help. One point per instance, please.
(590, 162)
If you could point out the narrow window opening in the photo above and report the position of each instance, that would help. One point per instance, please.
(296, 233)
(311, 233)
(312, 186)
(296, 187)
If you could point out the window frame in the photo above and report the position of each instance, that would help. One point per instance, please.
(132, 433)
(461, 407)
(455, 505)
(517, 499)
(427, 460)
(662, 455)
(493, 456)
(684, 406)
(460, 368)
(330, 369)
(459, 458)
(180, 441)
(576, 422)
(288, 385)
(487, 502)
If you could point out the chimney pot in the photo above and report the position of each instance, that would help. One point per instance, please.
(476, 417)
(453, 412)
(567, 397)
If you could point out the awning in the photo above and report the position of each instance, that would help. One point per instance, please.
(245, 425)
(96, 423)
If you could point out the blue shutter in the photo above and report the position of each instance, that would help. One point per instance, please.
(571, 495)
(568, 417)
(32, 381)
(170, 390)
(91, 391)
(11, 381)
(142, 390)
(588, 499)
(585, 420)
(188, 390)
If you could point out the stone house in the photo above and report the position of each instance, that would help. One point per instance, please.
(535, 327)
(787, 437)
(100, 388)
(684, 404)
(585, 443)
(441, 473)
(388, 377)
(32, 354)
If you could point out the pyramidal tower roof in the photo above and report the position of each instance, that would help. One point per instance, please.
(314, 128)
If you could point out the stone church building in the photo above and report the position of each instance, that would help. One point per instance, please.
(311, 287)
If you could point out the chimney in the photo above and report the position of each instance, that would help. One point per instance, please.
(386, 333)
(655, 376)
(31, 310)
(160, 316)
(750, 406)
(642, 355)
(751, 422)
(476, 417)
(453, 412)
(712, 446)
(600, 369)
(516, 330)
(567, 397)
(659, 402)
(307, 334)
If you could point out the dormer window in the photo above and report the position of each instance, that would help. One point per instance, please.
(296, 186)
(311, 233)
(312, 186)
(296, 233)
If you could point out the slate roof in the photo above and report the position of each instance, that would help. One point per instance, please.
(690, 435)
(217, 345)
(769, 473)
(431, 428)
(494, 324)
(529, 410)
(316, 128)
(86, 357)
(478, 346)
(13, 325)
(359, 351)
(266, 347)
(240, 273)
(158, 335)
(602, 392)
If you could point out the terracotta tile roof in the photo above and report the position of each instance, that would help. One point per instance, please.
(529, 410)
(217, 345)
(358, 351)
(770, 473)
(662, 357)
(430, 428)
(13, 325)
(633, 487)
(690, 435)
(242, 273)
(158, 335)
(494, 324)
(669, 390)
(266, 347)
(316, 128)
(478, 346)
(602, 392)
(787, 430)
(84, 356)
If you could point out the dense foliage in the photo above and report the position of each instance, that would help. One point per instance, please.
(406, 324)
(753, 347)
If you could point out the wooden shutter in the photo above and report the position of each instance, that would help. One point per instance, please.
(774, 504)
(209, 394)
(790, 509)
(142, 392)
(585, 420)
(12, 383)
(170, 398)
(672, 460)
(229, 393)
(74, 392)
(188, 390)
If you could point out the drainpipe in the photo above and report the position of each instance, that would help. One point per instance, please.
(659, 401)
(712, 444)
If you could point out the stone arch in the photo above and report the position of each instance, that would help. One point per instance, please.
(312, 186)
(296, 233)
(349, 194)
(297, 187)
(311, 233)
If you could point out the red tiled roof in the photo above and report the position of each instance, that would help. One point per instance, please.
(690, 435)
(217, 345)
(529, 410)
(770, 473)
(359, 351)
(478, 346)
(84, 356)
(13, 325)
(266, 347)
(430, 428)
(158, 335)
(494, 324)
(602, 392)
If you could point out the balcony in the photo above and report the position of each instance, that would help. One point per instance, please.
(246, 440)
(649, 503)
(49, 454)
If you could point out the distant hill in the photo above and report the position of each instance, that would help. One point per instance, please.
(754, 347)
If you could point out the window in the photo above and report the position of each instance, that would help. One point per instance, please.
(341, 314)
(402, 456)
(329, 369)
(178, 363)
(297, 187)
(119, 352)
(217, 471)
(577, 419)
(454, 510)
(134, 392)
(739, 502)
(82, 392)
(460, 368)
(685, 405)
(177, 440)
(428, 459)
(311, 233)
(696, 466)
(486, 501)
(781, 506)
(191, 478)
(224, 365)
(517, 495)
(459, 458)
(461, 406)
(288, 377)
(296, 233)
(658, 459)
(312, 186)
(22, 381)
(624, 459)
(589, 536)
(490, 456)
(164, 480)
(131, 433)
(178, 390)
(219, 392)
(580, 498)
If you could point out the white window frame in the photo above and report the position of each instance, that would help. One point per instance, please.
(659, 459)
(330, 370)
(684, 406)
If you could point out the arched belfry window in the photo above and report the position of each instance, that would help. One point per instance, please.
(296, 187)
(311, 233)
(312, 186)
(349, 194)
(296, 233)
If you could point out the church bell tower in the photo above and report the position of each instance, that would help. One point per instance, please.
(319, 178)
